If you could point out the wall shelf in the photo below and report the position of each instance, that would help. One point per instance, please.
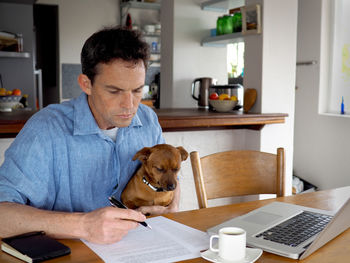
(222, 40)
(140, 5)
(8, 54)
(221, 6)
(151, 35)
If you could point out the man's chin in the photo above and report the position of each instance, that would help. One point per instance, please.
(122, 122)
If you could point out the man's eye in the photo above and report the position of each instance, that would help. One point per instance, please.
(114, 91)
(138, 90)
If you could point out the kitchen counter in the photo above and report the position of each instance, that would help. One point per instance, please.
(170, 120)
(12, 122)
(201, 119)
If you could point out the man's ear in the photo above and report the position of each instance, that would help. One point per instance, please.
(85, 83)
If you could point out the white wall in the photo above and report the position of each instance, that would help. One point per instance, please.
(78, 19)
(186, 58)
(270, 62)
(4, 144)
(321, 146)
(278, 76)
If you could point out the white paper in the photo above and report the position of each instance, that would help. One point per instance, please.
(167, 241)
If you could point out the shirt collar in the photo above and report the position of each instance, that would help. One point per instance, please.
(84, 121)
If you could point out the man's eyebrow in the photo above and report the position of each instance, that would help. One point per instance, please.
(113, 87)
(141, 87)
(119, 89)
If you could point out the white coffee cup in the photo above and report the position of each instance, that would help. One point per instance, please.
(232, 243)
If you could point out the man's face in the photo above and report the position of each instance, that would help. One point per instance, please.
(116, 93)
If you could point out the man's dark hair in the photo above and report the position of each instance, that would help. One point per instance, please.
(112, 43)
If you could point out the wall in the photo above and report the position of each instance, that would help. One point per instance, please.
(186, 58)
(278, 76)
(4, 144)
(79, 19)
(321, 146)
(270, 62)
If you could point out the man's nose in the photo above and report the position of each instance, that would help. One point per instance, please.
(127, 100)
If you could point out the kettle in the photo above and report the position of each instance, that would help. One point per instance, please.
(203, 91)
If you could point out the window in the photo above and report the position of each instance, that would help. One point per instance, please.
(338, 83)
(235, 60)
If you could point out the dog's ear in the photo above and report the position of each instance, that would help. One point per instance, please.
(142, 154)
(183, 152)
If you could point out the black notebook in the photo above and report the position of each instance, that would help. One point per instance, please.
(34, 247)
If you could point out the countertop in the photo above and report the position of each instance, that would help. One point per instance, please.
(170, 120)
(201, 119)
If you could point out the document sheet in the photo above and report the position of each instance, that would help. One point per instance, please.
(167, 241)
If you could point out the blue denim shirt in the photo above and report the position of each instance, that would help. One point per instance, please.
(62, 161)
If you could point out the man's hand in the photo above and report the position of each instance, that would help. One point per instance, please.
(103, 226)
(108, 225)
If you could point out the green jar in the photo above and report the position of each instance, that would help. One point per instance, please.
(237, 22)
(227, 24)
(219, 25)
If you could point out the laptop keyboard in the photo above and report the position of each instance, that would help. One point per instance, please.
(297, 229)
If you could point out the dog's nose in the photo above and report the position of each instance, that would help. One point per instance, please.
(170, 187)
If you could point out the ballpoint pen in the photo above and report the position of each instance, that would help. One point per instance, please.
(114, 202)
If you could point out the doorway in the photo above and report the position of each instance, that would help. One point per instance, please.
(47, 51)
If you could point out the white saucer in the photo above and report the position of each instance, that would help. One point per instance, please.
(251, 255)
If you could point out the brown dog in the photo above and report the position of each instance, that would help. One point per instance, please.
(155, 181)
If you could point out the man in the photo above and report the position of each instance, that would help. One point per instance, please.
(69, 158)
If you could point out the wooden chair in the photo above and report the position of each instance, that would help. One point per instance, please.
(237, 173)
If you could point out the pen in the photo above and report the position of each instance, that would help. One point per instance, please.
(114, 202)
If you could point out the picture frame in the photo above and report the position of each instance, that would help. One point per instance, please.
(251, 19)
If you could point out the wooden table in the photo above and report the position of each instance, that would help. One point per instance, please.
(337, 250)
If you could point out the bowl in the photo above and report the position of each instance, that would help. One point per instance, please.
(223, 105)
(8, 102)
(150, 29)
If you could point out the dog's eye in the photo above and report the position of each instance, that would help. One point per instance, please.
(159, 169)
(175, 170)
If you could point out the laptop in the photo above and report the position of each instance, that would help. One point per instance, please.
(290, 230)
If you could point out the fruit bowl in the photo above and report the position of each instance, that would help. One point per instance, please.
(223, 105)
(8, 102)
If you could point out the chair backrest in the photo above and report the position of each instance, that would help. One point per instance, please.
(237, 173)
